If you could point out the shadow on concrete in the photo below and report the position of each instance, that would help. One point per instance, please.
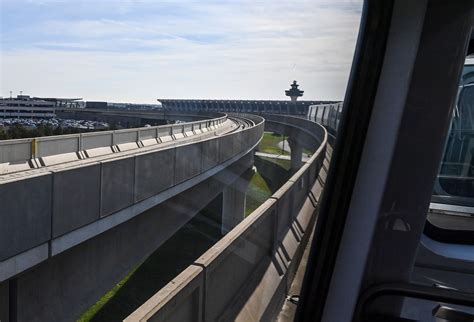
(273, 174)
(180, 251)
(175, 255)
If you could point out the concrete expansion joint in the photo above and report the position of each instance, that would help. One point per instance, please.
(313, 200)
(199, 265)
(34, 163)
(81, 155)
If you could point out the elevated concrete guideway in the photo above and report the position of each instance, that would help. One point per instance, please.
(104, 201)
(82, 178)
(64, 197)
(192, 109)
(247, 274)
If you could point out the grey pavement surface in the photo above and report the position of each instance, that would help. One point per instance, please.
(278, 156)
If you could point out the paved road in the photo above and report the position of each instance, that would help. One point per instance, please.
(278, 156)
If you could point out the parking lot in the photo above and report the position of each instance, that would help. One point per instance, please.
(54, 123)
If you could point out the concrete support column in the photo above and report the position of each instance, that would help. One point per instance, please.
(296, 155)
(233, 202)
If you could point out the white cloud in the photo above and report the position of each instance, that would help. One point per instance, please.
(229, 49)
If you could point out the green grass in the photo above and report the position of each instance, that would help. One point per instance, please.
(261, 188)
(269, 143)
(171, 258)
(257, 193)
(94, 309)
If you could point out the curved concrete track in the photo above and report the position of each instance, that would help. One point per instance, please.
(80, 211)
(74, 207)
(247, 274)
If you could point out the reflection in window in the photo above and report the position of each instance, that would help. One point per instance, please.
(455, 182)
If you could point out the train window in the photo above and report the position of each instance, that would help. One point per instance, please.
(338, 117)
(191, 204)
(319, 114)
(452, 205)
(324, 120)
(312, 112)
(333, 116)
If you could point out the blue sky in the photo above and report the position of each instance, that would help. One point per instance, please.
(138, 51)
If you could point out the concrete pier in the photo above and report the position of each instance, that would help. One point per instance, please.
(233, 202)
(296, 155)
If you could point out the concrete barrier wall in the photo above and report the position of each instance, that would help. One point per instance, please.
(134, 116)
(15, 150)
(73, 197)
(118, 185)
(218, 274)
(63, 287)
(253, 265)
(12, 151)
(230, 264)
(188, 162)
(302, 136)
(27, 222)
(57, 144)
(183, 308)
(155, 173)
(97, 140)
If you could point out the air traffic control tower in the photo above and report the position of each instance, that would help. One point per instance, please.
(294, 92)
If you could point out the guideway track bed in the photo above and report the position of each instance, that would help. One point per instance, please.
(166, 136)
(81, 198)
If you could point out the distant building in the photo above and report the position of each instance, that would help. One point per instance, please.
(94, 104)
(240, 106)
(294, 92)
(23, 106)
(63, 102)
(133, 106)
(121, 106)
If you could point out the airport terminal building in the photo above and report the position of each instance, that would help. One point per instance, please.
(241, 106)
